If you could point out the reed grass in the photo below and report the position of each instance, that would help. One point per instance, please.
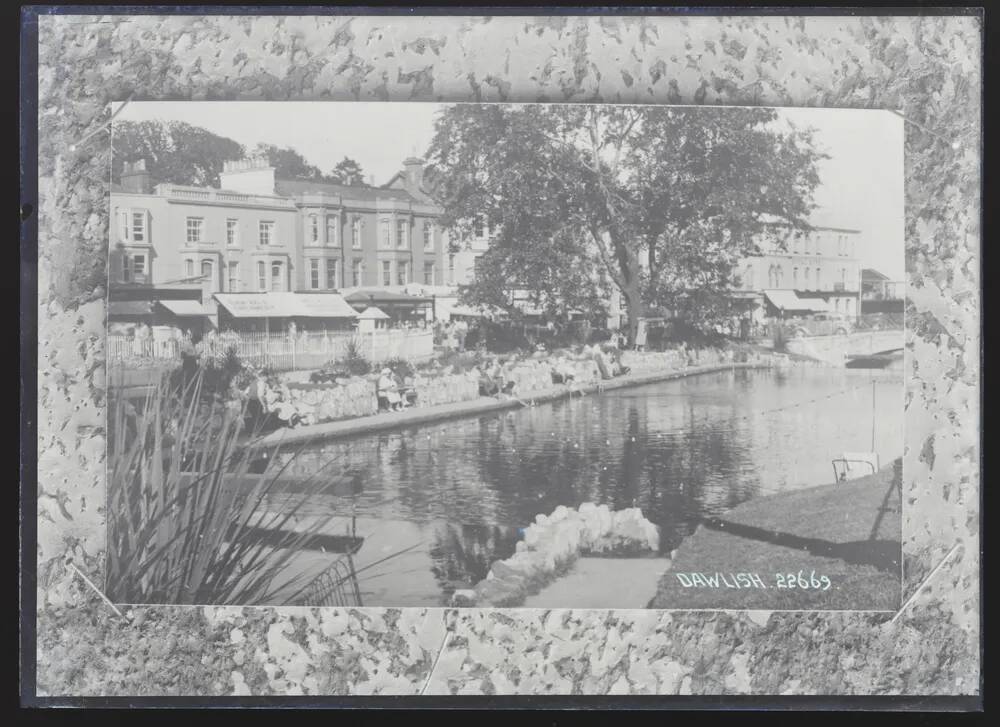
(182, 529)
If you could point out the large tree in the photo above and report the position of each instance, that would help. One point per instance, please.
(348, 171)
(663, 200)
(289, 163)
(176, 152)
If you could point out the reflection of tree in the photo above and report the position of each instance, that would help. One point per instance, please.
(462, 553)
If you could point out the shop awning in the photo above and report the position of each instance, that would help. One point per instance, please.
(184, 307)
(285, 305)
(384, 297)
(789, 300)
(130, 308)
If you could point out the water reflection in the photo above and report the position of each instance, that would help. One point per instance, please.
(680, 450)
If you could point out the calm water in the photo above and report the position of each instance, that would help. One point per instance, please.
(458, 492)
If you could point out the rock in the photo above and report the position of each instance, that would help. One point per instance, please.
(463, 597)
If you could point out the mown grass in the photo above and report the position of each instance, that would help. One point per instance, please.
(828, 530)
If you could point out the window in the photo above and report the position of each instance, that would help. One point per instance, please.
(139, 267)
(207, 273)
(386, 272)
(451, 269)
(795, 278)
(843, 277)
(849, 306)
(276, 276)
(189, 268)
(261, 275)
(428, 235)
(748, 278)
(402, 273)
(232, 233)
(356, 233)
(479, 227)
(139, 226)
(332, 225)
(770, 277)
(386, 234)
(126, 269)
(428, 273)
(797, 243)
(195, 227)
(357, 272)
(234, 277)
(818, 285)
(266, 232)
(476, 266)
(836, 304)
(124, 233)
(805, 278)
(331, 273)
(314, 229)
(314, 274)
(779, 274)
(807, 244)
(402, 227)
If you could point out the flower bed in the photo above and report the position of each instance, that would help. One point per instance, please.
(552, 544)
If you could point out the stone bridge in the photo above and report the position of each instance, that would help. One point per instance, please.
(838, 349)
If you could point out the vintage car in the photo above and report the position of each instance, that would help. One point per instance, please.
(819, 324)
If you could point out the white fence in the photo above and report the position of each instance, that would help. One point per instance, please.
(281, 352)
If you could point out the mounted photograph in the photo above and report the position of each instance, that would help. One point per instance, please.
(505, 355)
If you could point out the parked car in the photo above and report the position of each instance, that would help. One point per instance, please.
(820, 324)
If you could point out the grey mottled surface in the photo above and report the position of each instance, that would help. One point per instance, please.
(928, 67)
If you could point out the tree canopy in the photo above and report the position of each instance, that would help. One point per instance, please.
(660, 202)
(177, 152)
(348, 171)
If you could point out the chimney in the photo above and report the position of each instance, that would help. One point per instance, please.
(414, 169)
(250, 176)
(136, 179)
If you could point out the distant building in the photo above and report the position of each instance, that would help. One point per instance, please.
(814, 271)
(258, 233)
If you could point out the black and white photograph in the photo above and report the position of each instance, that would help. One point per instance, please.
(501, 358)
(539, 356)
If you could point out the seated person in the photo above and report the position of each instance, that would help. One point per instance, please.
(487, 386)
(406, 390)
(388, 391)
(562, 373)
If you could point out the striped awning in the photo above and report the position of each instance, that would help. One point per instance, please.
(184, 307)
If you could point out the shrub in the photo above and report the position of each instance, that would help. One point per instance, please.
(400, 367)
(355, 361)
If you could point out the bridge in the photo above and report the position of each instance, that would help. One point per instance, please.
(838, 350)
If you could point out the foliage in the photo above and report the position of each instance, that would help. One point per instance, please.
(289, 163)
(652, 200)
(348, 171)
(181, 527)
(176, 152)
(400, 367)
(355, 361)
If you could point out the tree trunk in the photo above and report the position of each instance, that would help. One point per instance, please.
(634, 308)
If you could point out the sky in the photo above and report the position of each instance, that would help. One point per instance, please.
(861, 184)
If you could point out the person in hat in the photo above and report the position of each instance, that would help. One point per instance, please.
(388, 390)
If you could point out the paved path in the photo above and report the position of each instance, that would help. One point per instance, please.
(603, 583)
(481, 405)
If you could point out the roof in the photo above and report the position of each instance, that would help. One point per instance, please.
(184, 307)
(872, 274)
(789, 300)
(819, 219)
(294, 187)
(285, 305)
(130, 308)
(372, 313)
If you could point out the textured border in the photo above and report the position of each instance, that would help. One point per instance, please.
(927, 66)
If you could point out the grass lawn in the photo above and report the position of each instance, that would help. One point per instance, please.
(839, 531)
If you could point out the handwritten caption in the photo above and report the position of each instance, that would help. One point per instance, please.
(800, 580)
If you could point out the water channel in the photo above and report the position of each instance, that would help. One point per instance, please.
(458, 493)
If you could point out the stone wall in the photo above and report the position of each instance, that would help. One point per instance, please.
(328, 402)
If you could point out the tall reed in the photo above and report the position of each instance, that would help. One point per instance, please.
(185, 509)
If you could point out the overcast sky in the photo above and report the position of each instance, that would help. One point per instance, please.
(861, 187)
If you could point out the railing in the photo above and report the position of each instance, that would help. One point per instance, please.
(282, 352)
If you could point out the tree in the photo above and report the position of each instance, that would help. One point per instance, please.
(663, 200)
(349, 172)
(288, 163)
(176, 152)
